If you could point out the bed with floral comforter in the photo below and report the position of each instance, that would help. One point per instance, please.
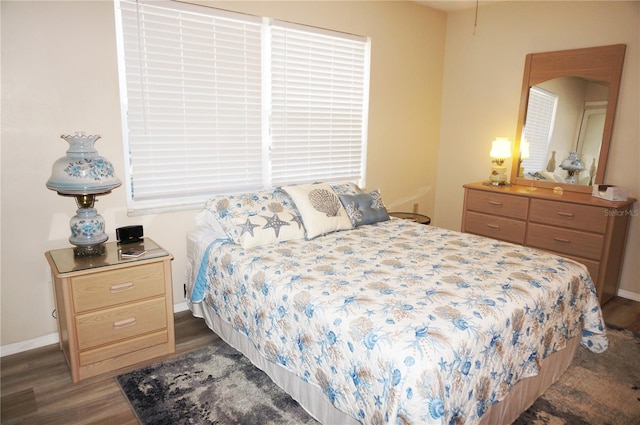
(399, 322)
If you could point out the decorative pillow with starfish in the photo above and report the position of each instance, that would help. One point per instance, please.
(257, 218)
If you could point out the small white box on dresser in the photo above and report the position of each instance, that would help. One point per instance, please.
(610, 192)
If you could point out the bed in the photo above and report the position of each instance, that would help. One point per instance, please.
(386, 320)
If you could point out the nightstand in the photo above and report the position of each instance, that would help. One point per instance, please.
(418, 218)
(113, 312)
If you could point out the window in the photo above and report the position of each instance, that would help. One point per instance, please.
(214, 101)
(541, 114)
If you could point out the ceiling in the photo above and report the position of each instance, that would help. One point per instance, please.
(452, 5)
(449, 5)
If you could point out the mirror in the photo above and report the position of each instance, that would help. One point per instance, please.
(567, 109)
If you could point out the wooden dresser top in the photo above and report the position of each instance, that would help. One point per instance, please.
(543, 193)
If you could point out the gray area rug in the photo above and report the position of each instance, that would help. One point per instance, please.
(212, 385)
(596, 389)
(218, 385)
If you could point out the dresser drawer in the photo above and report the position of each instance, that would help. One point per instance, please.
(573, 216)
(592, 266)
(114, 324)
(106, 289)
(497, 203)
(565, 241)
(502, 228)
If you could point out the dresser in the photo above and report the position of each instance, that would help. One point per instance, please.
(112, 311)
(579, 226)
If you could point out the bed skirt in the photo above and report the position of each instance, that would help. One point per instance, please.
(312, 399)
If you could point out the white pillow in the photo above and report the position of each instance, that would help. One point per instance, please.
(206, 219)
(320, 208)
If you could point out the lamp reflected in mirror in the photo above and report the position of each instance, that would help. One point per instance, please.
(572, 165)
(524, 154)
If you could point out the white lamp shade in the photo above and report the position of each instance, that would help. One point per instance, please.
(82, 171)
(500, 148)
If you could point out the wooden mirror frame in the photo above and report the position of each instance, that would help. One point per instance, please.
(602, 63)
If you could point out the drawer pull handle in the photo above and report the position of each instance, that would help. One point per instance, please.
(121, 287)
(124, 323)
(493, 226)
(565, 214)
(562, 240)
(495, 203)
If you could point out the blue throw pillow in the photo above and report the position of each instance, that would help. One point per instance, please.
(365, 208)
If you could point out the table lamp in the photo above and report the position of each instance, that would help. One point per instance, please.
(83, 174)
(500, 150)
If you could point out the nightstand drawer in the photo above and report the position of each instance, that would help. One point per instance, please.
(565, 241)
(107, 326)
(573, 216)
(123, 348)
(497, 203)
(505, 229)
(115, 287)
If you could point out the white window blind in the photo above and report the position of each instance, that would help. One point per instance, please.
(319, 85)
(541, 112)
(214, 102)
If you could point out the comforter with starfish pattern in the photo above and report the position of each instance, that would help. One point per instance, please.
(399, 322)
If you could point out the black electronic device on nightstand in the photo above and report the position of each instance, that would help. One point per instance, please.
(129, 234)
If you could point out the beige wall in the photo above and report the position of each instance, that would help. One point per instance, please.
(59, 75)
(481, 94)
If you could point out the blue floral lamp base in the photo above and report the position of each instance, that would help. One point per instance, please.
(87, 233)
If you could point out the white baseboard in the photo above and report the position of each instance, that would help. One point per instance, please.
(43, 341)
(30, 344)
(633, 296)
(177, 308)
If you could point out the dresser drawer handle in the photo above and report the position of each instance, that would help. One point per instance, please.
(124, 323)
(562, 240)
(493, 226)
(495, 203)
(121, 287)
(565, 214)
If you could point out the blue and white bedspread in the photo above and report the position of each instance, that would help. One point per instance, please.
(403, 323)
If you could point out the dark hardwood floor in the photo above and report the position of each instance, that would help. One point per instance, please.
(622, 313)
(37, 388)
